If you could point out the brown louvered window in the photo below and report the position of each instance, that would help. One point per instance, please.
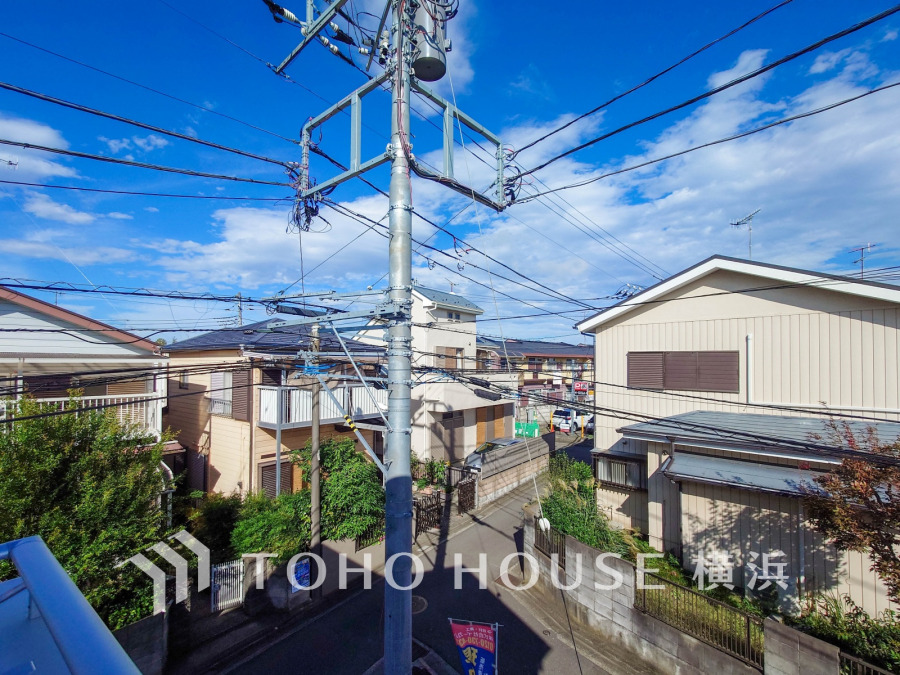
(685, 371)
(267, 479)
(645, 370)
(241, 394)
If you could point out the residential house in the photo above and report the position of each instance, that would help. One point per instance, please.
(722, 376)
(451, 416)
(544, 369)
(224, 388)
(46, 350)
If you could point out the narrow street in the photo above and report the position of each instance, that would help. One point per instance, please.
(532, 638)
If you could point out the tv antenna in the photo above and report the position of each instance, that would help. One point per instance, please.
(748, 221)
(862, 250)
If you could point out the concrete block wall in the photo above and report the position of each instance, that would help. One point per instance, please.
(146, 643)
(494, 487)
(611, 612)
(791, 652)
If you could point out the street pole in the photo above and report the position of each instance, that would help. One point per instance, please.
(278, 423)
(398, 484)
(315, 538)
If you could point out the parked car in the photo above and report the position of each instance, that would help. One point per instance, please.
(566, 419)
(476, 459)
(589, 425)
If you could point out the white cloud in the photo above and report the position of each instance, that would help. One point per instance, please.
(116, 215)
(151, 209)
(150, 142)
(90, 255)
(145, 143)
(42, 206)
(890, 36)
(33, 164)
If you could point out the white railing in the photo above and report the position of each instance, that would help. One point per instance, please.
(219, 406)
(297, 404)
(140, 409)
(227, 585)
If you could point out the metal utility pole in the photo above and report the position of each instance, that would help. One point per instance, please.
(419, 44)
(398, 479)
(278, 422)
(748, 221)
(862, 250)
(315, 537)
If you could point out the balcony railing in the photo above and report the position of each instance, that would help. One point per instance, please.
(143, 410)
(297, 405)
(219, 406)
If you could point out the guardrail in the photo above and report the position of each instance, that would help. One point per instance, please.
(851, 665)
(726, 628)
(550, 542)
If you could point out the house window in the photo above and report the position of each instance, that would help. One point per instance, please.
(183, 380)
(453, 316)
(219, 394)
(448, 358)
(622, 472)
(684, 371)
(534, 363)
(267, 479)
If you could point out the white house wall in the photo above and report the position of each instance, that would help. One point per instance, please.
(808, 346)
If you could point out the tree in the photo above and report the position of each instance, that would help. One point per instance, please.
(352, 494)
(90, 487)
(858, 506)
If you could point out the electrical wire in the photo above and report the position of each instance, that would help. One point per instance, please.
(145, 194)
(716, 90)
(652, 78)
(743, 134)
(145, 87)
(142, 165)
(141, 125)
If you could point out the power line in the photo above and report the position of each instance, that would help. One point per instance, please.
(142, 165)
(727, 139)
(140, 125)
(652, 78)
(145, 87)
(716, 90)
(146, 194)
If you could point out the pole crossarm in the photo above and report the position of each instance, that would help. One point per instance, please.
(361, 378)
(349, 419)
(312, 28)
(388, 310)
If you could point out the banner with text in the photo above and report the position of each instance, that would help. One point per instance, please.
(477, 645)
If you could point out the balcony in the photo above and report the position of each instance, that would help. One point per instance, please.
(297, 406)
(142, 410)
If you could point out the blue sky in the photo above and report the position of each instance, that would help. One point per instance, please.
(825, 184)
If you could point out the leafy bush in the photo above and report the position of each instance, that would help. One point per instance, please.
(841, 622)
(213, 521)
(352, 494)
(280, 526)
(89, 486)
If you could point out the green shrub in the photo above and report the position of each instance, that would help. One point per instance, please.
(840, 621)
(213, 521)
(280, 526)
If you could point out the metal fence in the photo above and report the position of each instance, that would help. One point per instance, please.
(851, 665)
(438, 473)
(371, 536)
(550, 542)
(726, 628)
(226, 585)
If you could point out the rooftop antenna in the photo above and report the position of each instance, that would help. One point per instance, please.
(452, 284)
(862, 250)
(748, 221)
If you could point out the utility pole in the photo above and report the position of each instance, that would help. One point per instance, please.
(748, 221)
(862, 250)
(278, 422)
(398, 479)
(240, 310)
(418, 43)
(315, 537)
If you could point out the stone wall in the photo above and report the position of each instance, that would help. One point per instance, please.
(790, 652)
(494, 487)
(612, 613)
(146, 643)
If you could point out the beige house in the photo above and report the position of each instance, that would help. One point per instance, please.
(729, 369)
(47, 350)
(223, 392)
(451, 416)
